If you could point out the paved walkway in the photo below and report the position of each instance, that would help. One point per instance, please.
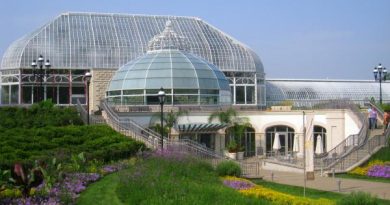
(381, 190)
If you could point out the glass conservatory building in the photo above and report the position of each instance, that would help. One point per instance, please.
(75, 43)
(185, 78)
(101, 43)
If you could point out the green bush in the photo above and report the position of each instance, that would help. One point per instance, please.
(228, 168)
(25, 145)
(358, 198)
(38, 115)
(385, 107)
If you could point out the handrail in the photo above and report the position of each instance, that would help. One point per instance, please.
(151, 138)
(347, 146)
(360, 154)
(84, 115)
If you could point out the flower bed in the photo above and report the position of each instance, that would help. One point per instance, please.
(63, 192)
(374, 168)
(382, 171)
(248, 188)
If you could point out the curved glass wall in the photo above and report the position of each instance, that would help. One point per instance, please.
(310, 92)
(185, 78)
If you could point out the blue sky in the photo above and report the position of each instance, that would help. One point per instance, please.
(335, 39)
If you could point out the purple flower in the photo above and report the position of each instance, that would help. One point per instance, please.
(382, 171)
(111, 168)
(236, 184)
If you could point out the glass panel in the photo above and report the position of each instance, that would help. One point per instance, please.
(185, 91)
(51, 93)
(181, 99)
(133, 100)
(114, 100)
(250, 95)
(209, 100)
(78, 90)
(155, 91)
(27, 94)
(5, 94)
(115, 92)
(209, 92)
(152, 100)
(64, 95)
(14, 94)
(133, 92)
(240, 95)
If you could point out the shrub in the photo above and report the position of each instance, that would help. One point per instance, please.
(358, 198)
(96, 141)
(38, 115)
(228, 168)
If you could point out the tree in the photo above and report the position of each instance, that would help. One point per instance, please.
(236, 126)
(170, 120)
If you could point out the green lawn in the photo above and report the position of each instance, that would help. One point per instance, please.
(310, 193)
(366, 178)
(298, 191)
(164, 181)
(383, 155)
(102, 192)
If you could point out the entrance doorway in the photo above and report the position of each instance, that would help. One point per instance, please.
(286, 139)
(246, 140)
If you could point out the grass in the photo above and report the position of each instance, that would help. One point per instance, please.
(310, 193)
(164, 181)
(102, 192)
(298, 191)
(366, 178)
(383, 155)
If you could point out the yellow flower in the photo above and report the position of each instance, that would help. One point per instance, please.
(364, 169)
(275, 196)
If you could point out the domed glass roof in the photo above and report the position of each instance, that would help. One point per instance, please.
(170, 69)
(186, 78)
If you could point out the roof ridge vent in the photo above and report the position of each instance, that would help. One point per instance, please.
(168, 39)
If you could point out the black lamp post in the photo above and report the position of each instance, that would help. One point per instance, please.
(87, 79)
(40, 73)
(382, 76)
(161, 97)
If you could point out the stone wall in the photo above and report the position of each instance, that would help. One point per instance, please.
(98, 87)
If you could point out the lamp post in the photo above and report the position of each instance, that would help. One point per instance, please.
(382, 76)
(161, 97)
(87, 79)
(40, 73)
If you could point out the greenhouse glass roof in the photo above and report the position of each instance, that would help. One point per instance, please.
(318, 90)
(171, 69)
(108, 41)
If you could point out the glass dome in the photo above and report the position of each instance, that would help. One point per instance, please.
(186, 78)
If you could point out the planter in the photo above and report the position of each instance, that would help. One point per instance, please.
(232, 155)
(240, 155)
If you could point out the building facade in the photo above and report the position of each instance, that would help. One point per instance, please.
(101, 43)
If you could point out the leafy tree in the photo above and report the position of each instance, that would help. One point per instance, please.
(236, 125)
(170, 120)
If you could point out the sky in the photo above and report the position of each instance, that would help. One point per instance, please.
(301, 39)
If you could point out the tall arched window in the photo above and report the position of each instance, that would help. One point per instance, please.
(319, 130)
(286, 138)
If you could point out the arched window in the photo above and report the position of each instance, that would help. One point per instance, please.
(286, 138)
(321, 131)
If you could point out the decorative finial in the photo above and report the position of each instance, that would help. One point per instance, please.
(168, 39)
